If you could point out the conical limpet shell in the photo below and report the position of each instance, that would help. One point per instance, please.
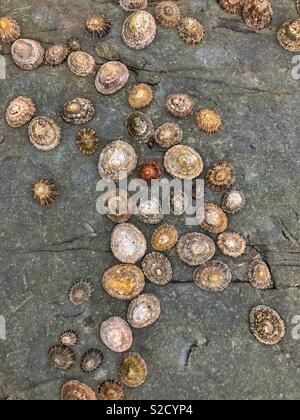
(133, 370)
(44, 133)
(73, 44)
(139, 30)
(151, 169)
(140, 96)
(259, 275)
(27, 54)
(9, 30)
(150, 211)
(157, 268)
(91, 360)
(180, 105)
(232, 244)
(183, 162)
(77, 391)
(44, 192)
(111, 390)
(118, 205)
(195, 248)
(63, 357)
(69, 338)
(111, 77)
(220, 176)
(117, 160)
(164, 238)
(81, 63)
(133, 5)
(143, 311)
(191, 30)
(56, 55)
(123, 281)
(232, 6)
(139, 127)
(168, 15)
(266, 325)
(98, 26)
(289, 35)
(78, 111)
(87, 141)
(215, 220)
(81, 292)
(128, 244)
(168, 135)
(257, 14)
(209, 121)
(214, 276)
(233, 201)
(20, 111)
(116, 334)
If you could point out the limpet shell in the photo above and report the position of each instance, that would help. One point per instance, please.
(56, 55)
(123, 281)
(209, 121)
(10, 30)
(77, 391)
(44, 192)
(128, 243)
(62, 357)
(214, 276)
(157, 268)
(44, 133)
(98, 26)
(289, 35)
(81, 292)
(164, 238)
(233, 201)
(215, 220)
(140, 96)
(73, 44)
(91, 360)
(139, 30)
(133, 5)
(266, 325)
(232, 6)
(20, 111)
(257, 14)
(168, 15)
(111, 390)
(117, 160)
(81, 63)
(151, 169)
(150, 211)
(259, 275)
(168, 135)
(195, 248)
(232, 244)
(116, 334)
(69, 338)
(220, 176)
(139, 127)
(133, 370)
(111, 77)
(183, 162)
(180, 105)
(87, 141)
(179, 203)
(118, 205)
(27, 54)
(78, 111)
(191, 30)
(143, 311)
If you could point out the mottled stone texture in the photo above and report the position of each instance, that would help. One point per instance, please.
(201, 347)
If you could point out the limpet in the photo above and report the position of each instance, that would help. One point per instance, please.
(157, 268)
(232, 244)
(214, 276)
(81, 292)
(91, 360)
(168, 135)
(183, 162)
(168, 15)
(191, 30)
(180, 105)
(77, 391)
(266, 325)
(69, 338)
(150, 211)
(289, 35)
(116, 334)
(259, 275)
(20, 111)
(44, 133)
(117, 160)
(209, 121)
(132, 5)
(81, 63)
(139, 127)
(111, 77)
(56, 55)
(257, 14)
(139, 30)
(128, 243)
(179, 203)
(123, 281)
(143, 311)
(62, 357)
(118, 205)
(233, 201)
(195, 248)
(27, 54)
(111, 390)
(215, 220)
(133, 370)
(73, 44)
(232, 6)
(140, 96)
(98, 26)
(87, 141)
(151, 169)
(164, 238)
(10, 30)
(78, 111)
(44, 192)
(220, 176)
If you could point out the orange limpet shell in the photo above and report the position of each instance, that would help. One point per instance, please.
(9, 30)
(164, 238)
(151, 169)
(44, 192)
(191, 30)
(123, 281)
(140, 96)
(77, 391)
(257, 14)
(111, 390)
(133, 370)
(215, 220)
(259, 275)
(232, 244)
(214, 276)
(232, 6)
(209, 121)
(220, 176)
(98, 26)
(289, 35)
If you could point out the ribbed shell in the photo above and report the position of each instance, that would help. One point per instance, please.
(111, 390)
(232, 6)
(168, 14)
(180, 105)
(81, 63)
(233, 201)
(140, 96)
(215, 220)
(209, 121)
(191, 30)
(27, 54)
(214, 276)
(62, 357)
(164, 238)
(195, 248)
(289, 35)
(259, 275)
(183, 162)
(123, 281)
(81, 292)
(157, 268)
(44, 133)
(77, 391)
(87, 141)
(258, 14)
(168, 135)
(133, 370)
(232, 244)
(139, 30)
(220, 176)
(91, 360)
(139, 127)
(143, 311)
(133, 5)
(266, 325)
(98, 26)
(117, 159)
(44, 192)
(78, 111)
(111, 77)
(10, 30)
(116, 334)
(20, 111)
(128, 243)
(56, 55)
(69, 338)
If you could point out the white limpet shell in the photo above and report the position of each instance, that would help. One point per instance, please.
(44, 133)
(27, 54)
(116, 334)
(111, 77)
(139, 30)
(183, 162)
(128, 244)
(117, 160)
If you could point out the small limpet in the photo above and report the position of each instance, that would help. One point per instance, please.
(157, 268)
(209, 121)
(117, 160)
(81, 63)
(20, 111)
(62, 357)
(191, 30)
(143, 311)
(195, 248)
(257, 14)
(232, 244)
(289, 35)
(44, 192)
(220, 176)
(139, 30)
(98, 26)
(78, 111)
(77, 391)
(87, 141)
(118, 205)
(151, 169)
(133, 5)
(91, 360)
(123, 281)
(139, 127)
(259, 275)
(111, 390)
(44, 133)
(116, 334)
(133, 370)
(27, 54)
(81, 292)
(164, 238)
(232, 6)
(168, 15)
(233, 201)
(180, 105)
(150, 211)
(266, 325)
(183, 162)
(56, 55)
(214, 276)
(10, 30)
(111, 77)
(73, 44)
(128, 243)
(215, 220)
(140, 96)
(168, 135)
(69, 338)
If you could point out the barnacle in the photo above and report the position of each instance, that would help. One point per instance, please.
(117, 160)
(81, 63)
(267, 325)
(220, 176)
(289, 35)
(77, 391)
(139, 127)
(62, 357)
(232, 244)
(9, 30)
(140, 96)
(191, 30)
(180, 105)
(81, 292)
(209, 121)
(259, 275)
(56, 55)
(69, 338)
(87, 141)
(78, 111)
(44, 133)
(167, 13)
(164, 238)
(157, 268)
(168, 135)
(151, 169)
(111, 77)
(257, 14)
(143, 311)
(91, 360)
(215, 220)
(123, 281)
(44, 192)
(98, 26)
(133, 370)
(111, 390)
(128, 243)
(232, 6)
(20, 111)
(214, 276)
(116, 334)
(139, 30)
(233, 201)
(183, 162)
(27, 54)
(195, 248)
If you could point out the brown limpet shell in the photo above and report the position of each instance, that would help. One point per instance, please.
(220, 176)
(20, 111)
(143, 311)
(44, 133)
(266, 325)
(116, 334)
(139, 30)
(164, 238)
(44, 192)
(69, 338)
(232, 244)
(257, 14)
(118, 204)
(139, 127)
(180, 105)
(233, 201)
(81, 63)
(117, 160)
(98, 26)
(123, 281)
(133, 5)
(259, 275)
(150, 211)
(133, 370)
(91, 360)
(191, 30)
(168, 15)
(78, 111)
(195, 248)
(215, 220)
(56, 55)
(10, 30)
(209, 121)
(168, 135)
(214, 276)
(62, 357)
(289, 35)
(183, 162)
(27, 54)
(140, 96)
(111, 77)
(77, 391)
(81, 292)
(157, 268)
(87, 141)
(128, 244)
(151, 169)
(111, 390)
(232, 6)
(73, 44)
